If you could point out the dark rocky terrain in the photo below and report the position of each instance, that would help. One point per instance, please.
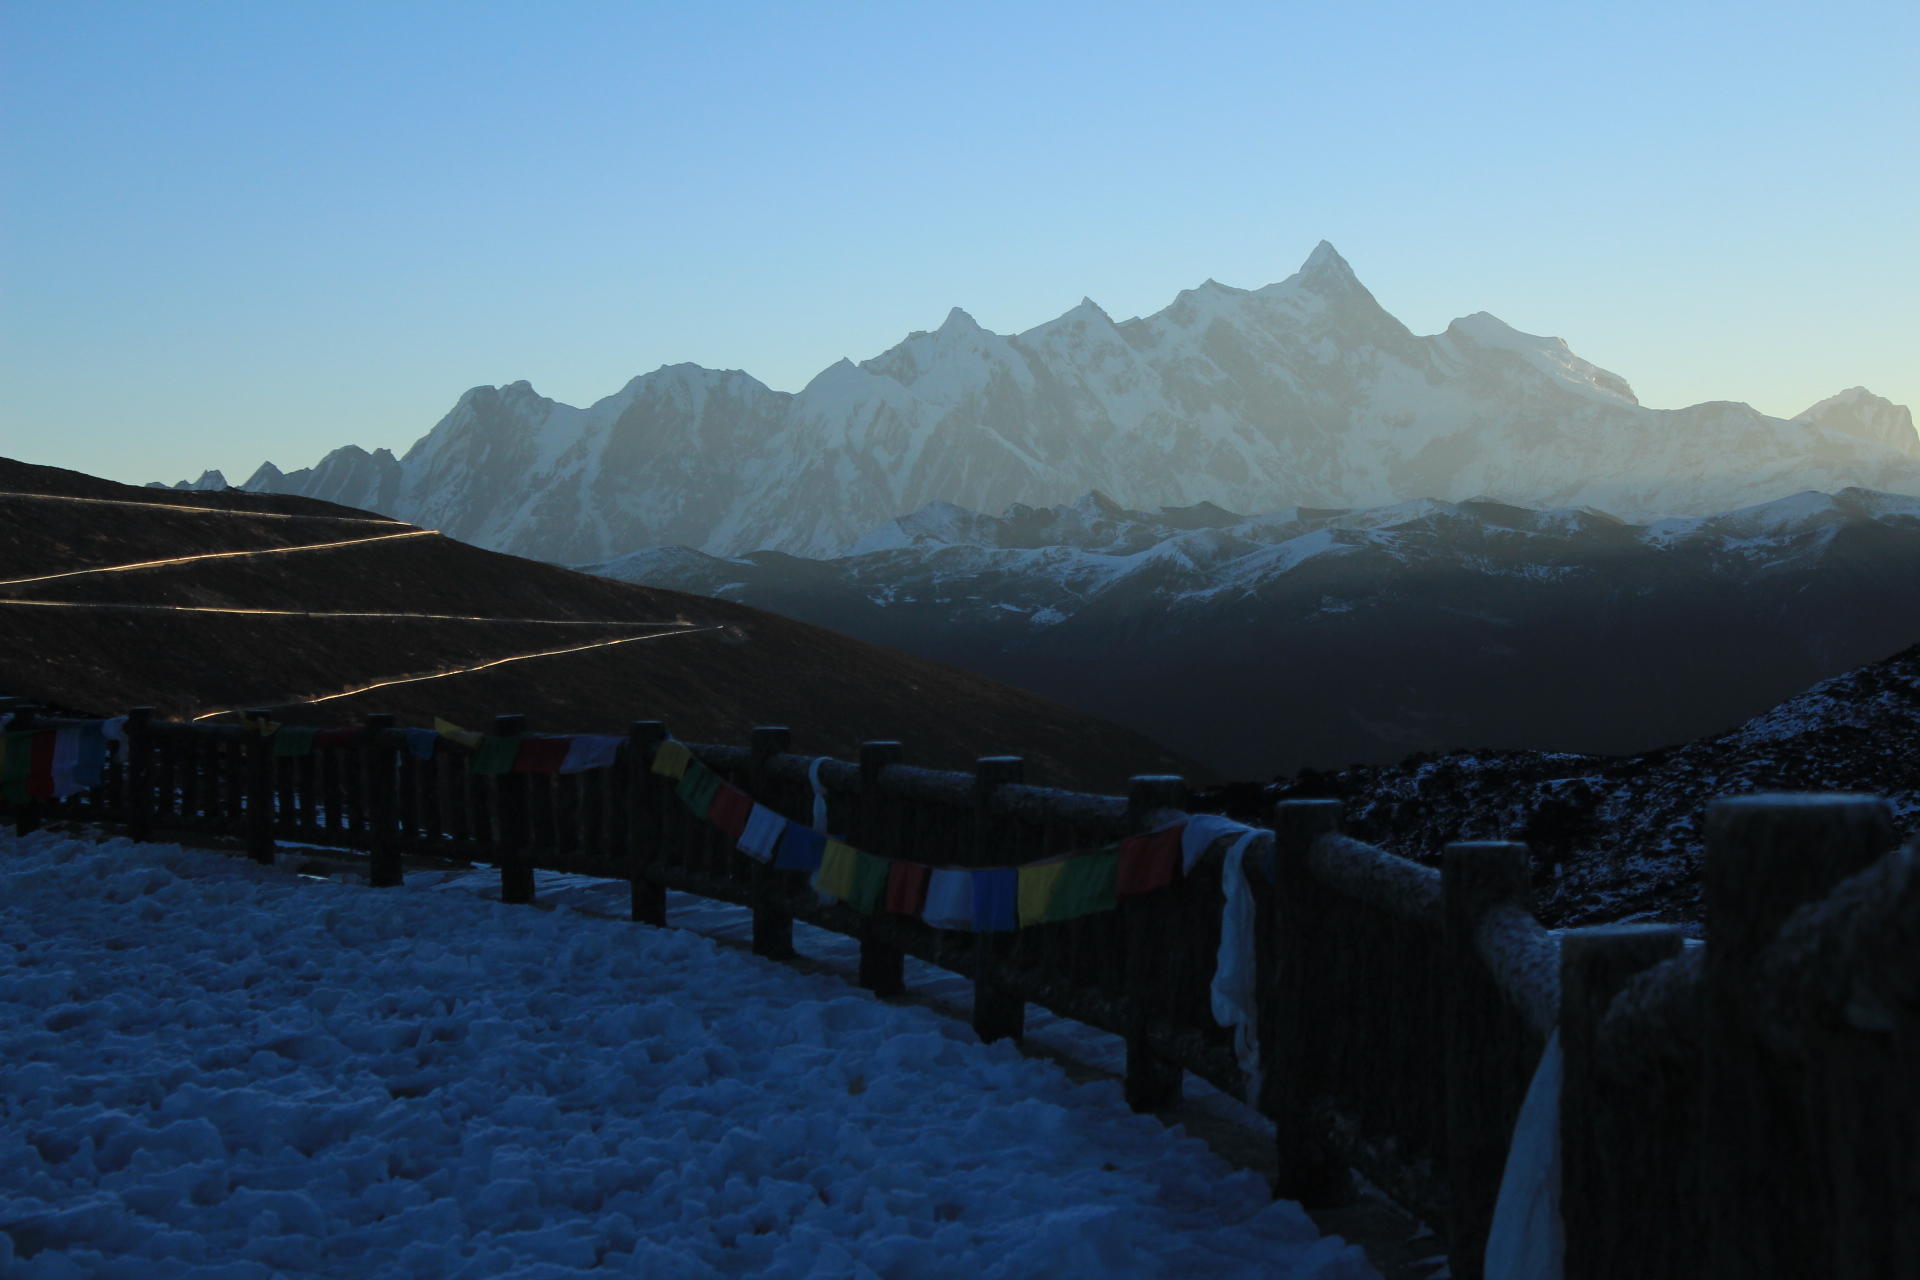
(1619, 838)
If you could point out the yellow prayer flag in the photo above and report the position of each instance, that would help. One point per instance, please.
(1036, 889)
(838, 864)
(671, 758)
(465, 737)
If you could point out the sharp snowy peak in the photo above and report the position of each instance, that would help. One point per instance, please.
(1305, 392)
(1859, 412)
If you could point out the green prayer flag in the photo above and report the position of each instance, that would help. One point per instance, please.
(14, 767)
(869, 883)
(697, 787)
(495, 754)
(289, 741)
(1089, 885)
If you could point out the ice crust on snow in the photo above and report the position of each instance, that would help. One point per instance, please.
(219, 1070)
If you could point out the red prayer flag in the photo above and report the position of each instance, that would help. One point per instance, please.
(541, 753)
(1147, 862)
(730, 810)
(40, 766)
(336, 737)
(907, 887)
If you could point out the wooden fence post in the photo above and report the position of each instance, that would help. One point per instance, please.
(139, 774)
(772, 926)
(510, 821)
(377, 767)
(997, 1013)
(641, 842)
(259, 764)
(1764, 1176)
(882, 966)
(26, 814)
(1308, 1171)
(1152, 1083)
(1487, 1074)
(1598, 1165)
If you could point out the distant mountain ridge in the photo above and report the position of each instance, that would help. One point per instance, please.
(1304, 392)
(1323, 636)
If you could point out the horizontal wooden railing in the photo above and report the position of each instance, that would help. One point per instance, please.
(1403, 1009)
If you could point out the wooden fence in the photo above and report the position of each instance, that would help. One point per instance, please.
(1745, 1108)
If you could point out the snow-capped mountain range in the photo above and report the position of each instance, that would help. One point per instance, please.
(1302, 392)
(1318, 637)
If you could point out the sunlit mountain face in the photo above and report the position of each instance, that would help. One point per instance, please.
(1301, 393)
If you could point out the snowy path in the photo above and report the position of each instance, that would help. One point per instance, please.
(203, 556)
(219, 1070)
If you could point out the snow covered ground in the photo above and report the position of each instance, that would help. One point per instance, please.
(220, 1070)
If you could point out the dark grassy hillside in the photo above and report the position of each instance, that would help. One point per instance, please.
(99, 642)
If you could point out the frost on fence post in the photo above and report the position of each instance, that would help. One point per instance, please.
(26, 811)
(1152, 1082)
(642, 826)
(1492, 1050)
(772, 926)
(882, 966)
(137, 775)
(259, 761)
(1765, 1169)
(1602, 1138)
(998, 1014)
(510, 832)
(1308, 1171)
(378, 764)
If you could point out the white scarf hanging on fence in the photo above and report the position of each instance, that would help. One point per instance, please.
(1201, 831)
(1234, 1000)
(1526, 1241)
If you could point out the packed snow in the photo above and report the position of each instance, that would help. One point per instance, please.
(217, 1069)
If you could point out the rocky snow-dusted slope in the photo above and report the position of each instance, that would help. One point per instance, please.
(1321, 637)
(1620, 838)
(1301, 392)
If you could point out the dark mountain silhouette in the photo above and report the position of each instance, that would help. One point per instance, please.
(97, 643)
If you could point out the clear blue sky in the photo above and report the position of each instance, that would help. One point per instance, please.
(236, 231)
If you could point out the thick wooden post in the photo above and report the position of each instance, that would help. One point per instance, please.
(1152, 1083)
(139, 774)
(882, 966)
(1599, 1165)
(1765, 1177)
(26, 814)
(510, 821)
(377, 768)
(640, 841)
(259, 765)
(1307, 1169)
(997, 1013)
(772, 926)
(1487, 1074)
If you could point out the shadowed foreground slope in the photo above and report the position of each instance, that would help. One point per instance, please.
(187, 639)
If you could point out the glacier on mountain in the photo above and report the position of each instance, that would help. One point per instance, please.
(1304, 393)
